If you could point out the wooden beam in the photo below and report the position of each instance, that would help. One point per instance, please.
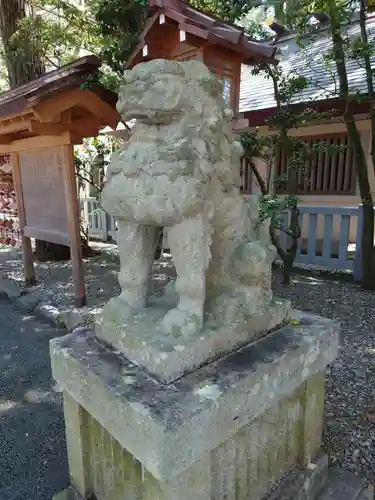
(40, 142)
(5, 139)
(17, 126)
(48, 111)
(48, 128)
(22, 114)
(52, 237)
(194, 30)
(66, 116)
(109, 114)
(85, 126)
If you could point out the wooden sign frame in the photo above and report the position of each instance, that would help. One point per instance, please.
(71, 238)
(53, 112)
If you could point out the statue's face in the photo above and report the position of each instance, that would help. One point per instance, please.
(152, 92)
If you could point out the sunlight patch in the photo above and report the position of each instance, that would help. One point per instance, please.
(7, 405)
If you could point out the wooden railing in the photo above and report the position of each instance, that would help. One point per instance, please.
(331, 235)
(325, 239)
(327, 172)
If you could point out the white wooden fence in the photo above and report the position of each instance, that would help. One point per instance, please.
(100, 225)
(103, 227)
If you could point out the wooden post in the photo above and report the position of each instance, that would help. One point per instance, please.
(28, 263)
(357, 269)
(73, 216)
(235, 87)
(104, 225)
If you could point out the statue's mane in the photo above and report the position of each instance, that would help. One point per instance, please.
(204, 106)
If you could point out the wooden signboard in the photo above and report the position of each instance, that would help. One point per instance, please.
(42, 181)
(40, 122)
(48, 206)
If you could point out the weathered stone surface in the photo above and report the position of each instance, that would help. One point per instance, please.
(343, 485)
(73, 318)
(29, 301)
(68, 494)
(50, 312)
(168, 428)
(245, 465)
(13, 289)
(304, 484)
(8, 254)
(176, 171)
(168, 357)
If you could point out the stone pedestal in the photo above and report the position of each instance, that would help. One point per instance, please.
(239, 428)
(168, 357)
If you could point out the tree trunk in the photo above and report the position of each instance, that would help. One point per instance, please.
(287, 270)
(368, 279)
(21, 68)
(367, 237)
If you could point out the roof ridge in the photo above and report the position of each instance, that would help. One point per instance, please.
(316, 29)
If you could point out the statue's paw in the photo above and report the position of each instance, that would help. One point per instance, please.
(180, 322)
(117, 308)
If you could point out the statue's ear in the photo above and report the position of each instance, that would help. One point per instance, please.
(142, 71)
(199, 74)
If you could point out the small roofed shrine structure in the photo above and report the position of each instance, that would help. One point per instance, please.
(176, 30)
(40, 122)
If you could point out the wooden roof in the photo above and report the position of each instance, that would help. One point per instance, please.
(56, 103)
(204, 28)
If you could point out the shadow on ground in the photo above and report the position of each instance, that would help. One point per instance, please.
(33, 463)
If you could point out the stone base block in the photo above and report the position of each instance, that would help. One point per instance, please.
(304, 484)
(68, 494)
(231, 430)
(343, 485)
(316, 483)
(141, 340)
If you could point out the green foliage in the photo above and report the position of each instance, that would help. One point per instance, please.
(120, 24)
(88, 154)
(272, 207)
(57, 31)
(300, 156)
(342, 50)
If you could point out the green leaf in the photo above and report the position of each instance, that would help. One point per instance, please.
(294, 322)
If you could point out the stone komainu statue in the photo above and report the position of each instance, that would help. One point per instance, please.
(180, 170)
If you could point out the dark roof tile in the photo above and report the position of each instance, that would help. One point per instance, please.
(256, 91)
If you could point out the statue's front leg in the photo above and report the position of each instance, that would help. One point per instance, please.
(189, 242)
(137, 246)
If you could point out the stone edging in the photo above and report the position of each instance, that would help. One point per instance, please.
(31, 301)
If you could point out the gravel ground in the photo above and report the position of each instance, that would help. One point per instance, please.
(349, 436)
(33, 463)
